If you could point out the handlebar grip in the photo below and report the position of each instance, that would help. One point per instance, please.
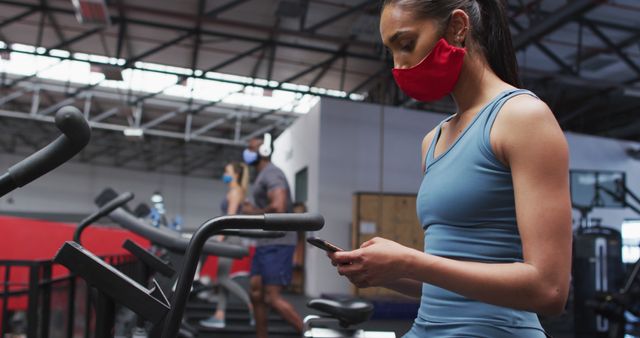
(76, 135)
(73, 125)
(293, 222)
(112, 205)
(105, 196)
(252, 233)
(104, 210)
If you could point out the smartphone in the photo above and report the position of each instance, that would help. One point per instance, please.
(324, 245)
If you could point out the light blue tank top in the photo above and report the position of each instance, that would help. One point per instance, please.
(466, 207)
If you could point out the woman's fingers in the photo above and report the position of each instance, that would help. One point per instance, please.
(346, 257)
(370, 242)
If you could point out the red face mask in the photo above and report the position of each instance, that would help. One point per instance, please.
(435, 76)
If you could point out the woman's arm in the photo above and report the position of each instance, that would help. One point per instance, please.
(532, 144)
(277, 203)
(408, 287)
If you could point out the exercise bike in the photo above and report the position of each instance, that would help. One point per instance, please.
(151, 303)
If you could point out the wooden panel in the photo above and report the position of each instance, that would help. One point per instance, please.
(390, 216)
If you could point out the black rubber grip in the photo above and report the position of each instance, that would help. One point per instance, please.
(76, 135)
(104, 210)
(252, 233)
(293, 222)
(112, 205)
(106, 195)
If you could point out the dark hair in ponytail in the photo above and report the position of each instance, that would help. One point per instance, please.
(489, 28)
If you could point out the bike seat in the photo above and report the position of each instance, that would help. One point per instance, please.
(348, 312)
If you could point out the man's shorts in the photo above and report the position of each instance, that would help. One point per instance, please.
(274, 263)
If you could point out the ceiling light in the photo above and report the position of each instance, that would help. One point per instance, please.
(134, 133)
(92, 12)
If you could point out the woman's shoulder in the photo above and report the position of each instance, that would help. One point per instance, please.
(428, 138)
(524, 108)
(523, 121)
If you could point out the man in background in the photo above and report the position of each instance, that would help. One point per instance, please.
(272, 264)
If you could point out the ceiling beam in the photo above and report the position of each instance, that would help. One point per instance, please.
(130, 62)
(628, 130)
(537, 30)
(18, 17)
(83, 35)
(546, 51)
(44, 4)
(617, 50)
(327, 65)
(363, 85)
(340, 15)
(226, 34)
(223, 8)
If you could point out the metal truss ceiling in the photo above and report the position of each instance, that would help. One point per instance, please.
(580, 56)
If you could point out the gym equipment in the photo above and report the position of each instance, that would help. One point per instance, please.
(165, 238)
(128, 221)
(600, 304)
(177, 243)
(599, 189)
(597, 262)
(169, 323)
(103, 211)
(597, 268)
(614, 305)
(76, 135)
(347, 313)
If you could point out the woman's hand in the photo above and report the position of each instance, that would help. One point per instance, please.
(376, 263)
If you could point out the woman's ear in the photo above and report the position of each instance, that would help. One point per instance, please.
(458, 28)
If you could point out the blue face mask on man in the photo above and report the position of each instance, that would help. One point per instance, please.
(227, 179)
(249, 157)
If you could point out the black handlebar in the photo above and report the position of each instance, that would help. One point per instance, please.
(76, 135)
(253, 233)
(171, 240)
(293, 222)
(106, 209)
(274, 222)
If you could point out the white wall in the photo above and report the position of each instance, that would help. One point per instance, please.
(71, 189)
(297, 148)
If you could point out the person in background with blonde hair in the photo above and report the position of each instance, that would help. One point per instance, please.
(236, 176)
